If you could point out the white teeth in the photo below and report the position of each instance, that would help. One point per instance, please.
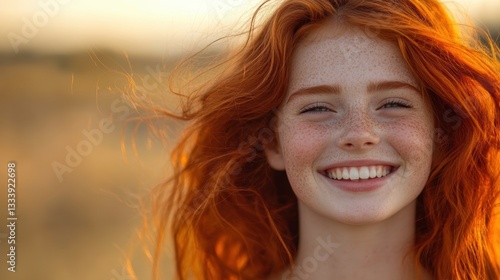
(345, 173)
(338, 172)
(358, 173)
(353, 173)
(373, 172)
(364, 173)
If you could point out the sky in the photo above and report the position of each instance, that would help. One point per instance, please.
(155, 27)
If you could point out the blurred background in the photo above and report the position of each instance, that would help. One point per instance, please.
(62, 64)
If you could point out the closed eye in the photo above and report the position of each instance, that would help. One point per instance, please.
(315, 108)
(397, 104)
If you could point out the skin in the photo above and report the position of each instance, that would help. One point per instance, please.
(372, 230)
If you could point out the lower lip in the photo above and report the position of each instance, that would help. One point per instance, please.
(365, 185)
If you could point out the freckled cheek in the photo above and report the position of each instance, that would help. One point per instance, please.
(413, 140)
(302, 145)
(304, 141)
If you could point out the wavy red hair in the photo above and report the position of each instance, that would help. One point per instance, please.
(233, 217)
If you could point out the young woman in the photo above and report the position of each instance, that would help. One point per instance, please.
(348, 139)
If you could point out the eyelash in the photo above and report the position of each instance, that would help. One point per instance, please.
(399, 103)
(315, 108)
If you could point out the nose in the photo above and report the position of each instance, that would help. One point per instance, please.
(358, 133)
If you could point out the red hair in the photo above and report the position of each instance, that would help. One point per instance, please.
(233, 217)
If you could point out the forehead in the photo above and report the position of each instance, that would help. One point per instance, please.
(338, 53)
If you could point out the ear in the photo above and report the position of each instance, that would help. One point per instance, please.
(274, 156)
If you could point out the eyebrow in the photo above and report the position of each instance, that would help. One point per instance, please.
(389, 85)
(336, 89)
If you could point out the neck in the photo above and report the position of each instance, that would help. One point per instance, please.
(333, 250)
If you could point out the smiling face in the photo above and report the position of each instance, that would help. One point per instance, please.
(354, 132)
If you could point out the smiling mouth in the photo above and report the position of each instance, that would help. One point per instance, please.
(359, 173)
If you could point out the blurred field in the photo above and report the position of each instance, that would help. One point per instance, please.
(77, 225)
(81, 226)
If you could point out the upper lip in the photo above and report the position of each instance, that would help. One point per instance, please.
(359, 163)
